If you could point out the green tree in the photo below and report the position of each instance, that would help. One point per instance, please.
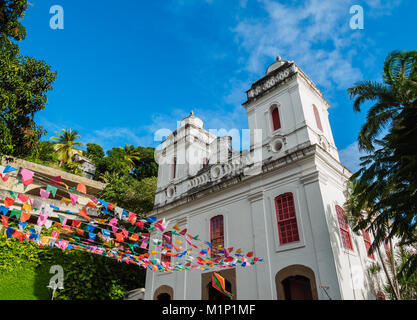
(356, 221)
(131, 155)
(129, 193)
(146, 166)
(43, 153)
(24, 82)
(65, 145)
(387, 179)
(94, 152)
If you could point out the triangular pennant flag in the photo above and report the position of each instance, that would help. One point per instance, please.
(83, 213)
(52, 190)
(82, 188)
(26, 174)
(56, 180)
(27, 182)
(15, 213)
(23, 198)
(44, 194)
(8, 202)
(9, 169)
(74, 199)
(13, 194)
(65, 201)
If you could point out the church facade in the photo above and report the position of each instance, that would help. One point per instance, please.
(282, 199)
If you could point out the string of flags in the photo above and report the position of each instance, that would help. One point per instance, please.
(115, 233)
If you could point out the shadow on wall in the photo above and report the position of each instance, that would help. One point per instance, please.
(335, 244)
(338, 253)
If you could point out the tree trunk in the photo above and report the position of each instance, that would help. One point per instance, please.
(385, 269)
(394, 269)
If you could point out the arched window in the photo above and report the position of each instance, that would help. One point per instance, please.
(367, 240)
(344, 228)
(167, 241)
(276, 123)
(174, 168)
(216, 234)
(317, 115)
(287, 220)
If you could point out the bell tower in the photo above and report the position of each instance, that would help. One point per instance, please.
(287, 108)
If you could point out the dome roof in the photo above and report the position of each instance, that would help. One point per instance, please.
(192, 119)
(275, 65)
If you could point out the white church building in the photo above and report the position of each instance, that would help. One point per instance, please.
(281, 199)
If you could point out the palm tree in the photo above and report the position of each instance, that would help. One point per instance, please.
(131, 155)
(387, 179)
(361, 216)
(65, 145)
(397, 92)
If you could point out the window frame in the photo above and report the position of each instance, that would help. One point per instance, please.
(213, 238)
(174, 168)
(318, 118)
(166, 258)
(344, 229)
(278, 117)
(282, 222)
(367, 240)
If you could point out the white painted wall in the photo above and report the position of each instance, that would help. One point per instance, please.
(317, 182)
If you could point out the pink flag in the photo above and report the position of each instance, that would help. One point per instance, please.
(160, 226)
(74, 199)
(26, 174)
(44, 194)
(113, 222)
(144, 245)
(42, 218)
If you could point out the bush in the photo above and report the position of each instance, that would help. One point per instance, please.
(86, 276)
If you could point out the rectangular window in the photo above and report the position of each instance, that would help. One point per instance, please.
(367, 240)
(317, 116)
(166, 239)
(286, 217)
(344, 228)
(216, 234)
(174, 168)
(275, 118)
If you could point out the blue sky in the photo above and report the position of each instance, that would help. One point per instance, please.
(128, 68)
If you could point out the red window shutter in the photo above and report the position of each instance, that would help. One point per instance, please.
(216, 234)
(275, 118)
(287, 220)
(344, 228)
(174, 168)
(367, 240)
(165, 241)
(317, 115)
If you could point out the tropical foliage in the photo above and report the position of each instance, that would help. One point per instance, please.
(24, 273)
(24, 83)
(384, 195)
(65, 145)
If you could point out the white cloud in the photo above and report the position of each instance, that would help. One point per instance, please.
(350, 157)
(316, 35)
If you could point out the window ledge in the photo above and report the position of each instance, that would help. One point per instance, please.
(289, 246)
(350, 252)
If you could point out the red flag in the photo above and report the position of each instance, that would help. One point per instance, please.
(8, 202)
(24, 216)
(82, 188)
